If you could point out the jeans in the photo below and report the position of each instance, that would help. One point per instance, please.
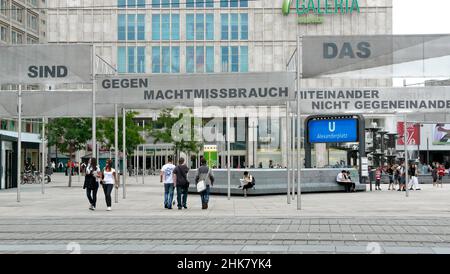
(182, 193)
(168, 195)
(92, 195)
(107, 188)
(205, 195)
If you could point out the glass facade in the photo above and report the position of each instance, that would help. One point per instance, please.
(199, 29)
(234, 59)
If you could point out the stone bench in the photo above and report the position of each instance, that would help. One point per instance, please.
(274, 181)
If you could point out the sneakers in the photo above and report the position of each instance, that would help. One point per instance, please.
(108, 209)
(92, 207)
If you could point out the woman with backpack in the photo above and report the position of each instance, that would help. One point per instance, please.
(93, 176)
(204, 178)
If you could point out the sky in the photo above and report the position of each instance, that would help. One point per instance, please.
(421, 16)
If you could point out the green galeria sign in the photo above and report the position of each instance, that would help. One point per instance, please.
(320, 7)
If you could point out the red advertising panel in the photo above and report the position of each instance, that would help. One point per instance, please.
(413, 133)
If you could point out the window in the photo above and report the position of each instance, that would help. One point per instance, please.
(17, 38)
(234, 3)
(131, 3)
(121, 27)
(17, 13)
(3, 6)
(209, 27)
(141, 59)
(200, 59)
(200, 27)
(189, 3)
(131, 27)
(209, 59)
(244, 26)
(156, 27)
(190, 27)
(156, 60)
(175, 27)
(165, 59)
(175, 59)
(190, 57)
(224, 59)
(3, 34)
(32, 40)
(141, 27)
(234, 59)
(224, 26)
(165, 3)
(233, 28)
(210, 3)
(201, 3)
(243, 57)
(165, 27)
(121, 60)
(131, 59)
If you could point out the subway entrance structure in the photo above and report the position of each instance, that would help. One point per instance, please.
(390, 56)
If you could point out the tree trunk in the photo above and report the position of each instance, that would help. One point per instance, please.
(70, 166)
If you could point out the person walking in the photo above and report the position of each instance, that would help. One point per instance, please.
(166, 176)
(434, 174)
(93, 176)
(390, 172)
(402, 177)
(204, 173)
(378, 173)
(181, 183)
(109, 182)
(441, 174)
(413, 181)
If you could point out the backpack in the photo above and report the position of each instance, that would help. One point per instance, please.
(253, 181)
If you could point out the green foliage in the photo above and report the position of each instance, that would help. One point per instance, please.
(105, 128)
(69, 134)
(161, 131)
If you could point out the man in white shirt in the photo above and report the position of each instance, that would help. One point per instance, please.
(342, 179)
(166, 176)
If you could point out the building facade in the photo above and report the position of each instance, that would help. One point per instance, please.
(216, 36)
(21, 22)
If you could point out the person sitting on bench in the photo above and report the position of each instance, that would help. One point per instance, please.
(247, 182)
(343, 178)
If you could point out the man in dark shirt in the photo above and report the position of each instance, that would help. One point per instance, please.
(181, 183)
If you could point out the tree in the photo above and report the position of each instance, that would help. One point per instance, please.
(161, 131)
(69, 135)
(133, 137)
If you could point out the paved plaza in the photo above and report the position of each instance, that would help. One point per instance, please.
(371, 222)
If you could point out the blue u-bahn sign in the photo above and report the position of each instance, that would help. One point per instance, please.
(333, 131)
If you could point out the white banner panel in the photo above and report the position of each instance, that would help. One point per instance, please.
(377, 56)
(45, 64)
(375, 100)
(181, 90)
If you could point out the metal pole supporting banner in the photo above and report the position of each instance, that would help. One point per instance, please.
(124, 148)
(228, 154)
(94, 118)
(136, 163)
(405, 139)
(116, 152)
(299, 128)
(293, 178)
(288, 137)
(19, 141)
(43, 156)
(144, 161)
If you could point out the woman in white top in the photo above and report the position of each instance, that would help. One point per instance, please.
(109, 181)
(93, 176)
